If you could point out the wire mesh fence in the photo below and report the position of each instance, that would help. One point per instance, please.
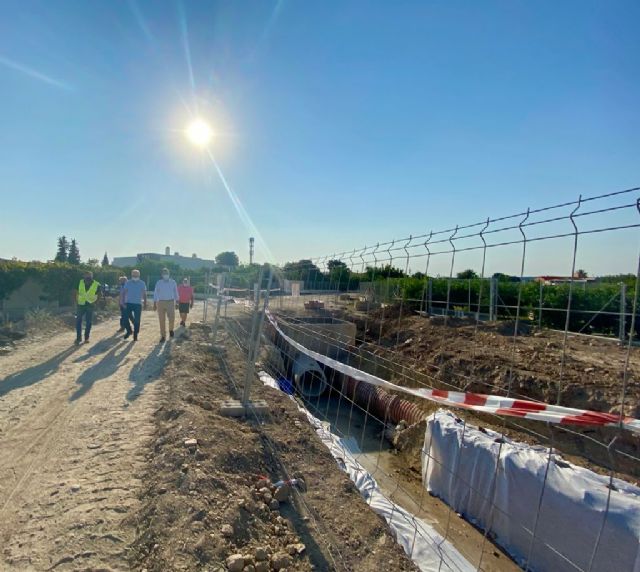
(375, 341)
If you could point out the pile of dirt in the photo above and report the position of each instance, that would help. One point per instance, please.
(210, 502)
(487, 358)
(511, 328)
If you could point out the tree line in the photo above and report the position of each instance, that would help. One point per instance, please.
(70, 252)
(467, 293)
(595, 307)
(60, 277)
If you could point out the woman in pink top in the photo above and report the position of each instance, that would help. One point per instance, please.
(185, 300)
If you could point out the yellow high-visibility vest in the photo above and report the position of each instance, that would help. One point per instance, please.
(87, 296)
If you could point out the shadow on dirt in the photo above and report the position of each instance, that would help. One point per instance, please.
(147, 370)
(99, 348)
(106, 367)
(34, 374)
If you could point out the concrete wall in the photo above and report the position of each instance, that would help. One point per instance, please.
(327, 336)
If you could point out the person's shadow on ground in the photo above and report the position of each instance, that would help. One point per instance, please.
(147, 370)
(34, 374)
(98, 348)
(106, 367)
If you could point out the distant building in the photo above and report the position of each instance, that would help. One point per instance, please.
(187, 262)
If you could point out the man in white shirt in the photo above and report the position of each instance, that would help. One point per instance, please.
(165, 297)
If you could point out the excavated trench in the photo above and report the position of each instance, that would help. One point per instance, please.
(372, 422)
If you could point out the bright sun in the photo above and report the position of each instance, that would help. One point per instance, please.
(199, 132)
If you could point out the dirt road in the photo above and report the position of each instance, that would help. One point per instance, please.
(74, 428)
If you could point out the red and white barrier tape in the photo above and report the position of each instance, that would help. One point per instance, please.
(495, 404)
(225, 289)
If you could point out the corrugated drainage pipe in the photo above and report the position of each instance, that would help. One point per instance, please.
(384, 405)
(308, 376)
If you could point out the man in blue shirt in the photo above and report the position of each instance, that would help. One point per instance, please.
(135, 296)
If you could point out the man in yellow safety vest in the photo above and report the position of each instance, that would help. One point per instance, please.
(87, 296)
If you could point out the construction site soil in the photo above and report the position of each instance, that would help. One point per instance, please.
(209, 503)
(99, 470)
(485, 357)
(96, 474)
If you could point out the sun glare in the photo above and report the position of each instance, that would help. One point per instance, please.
(199, 132)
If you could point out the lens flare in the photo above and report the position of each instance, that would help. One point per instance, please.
(241, 210)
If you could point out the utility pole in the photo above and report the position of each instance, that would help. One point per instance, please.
(251, 242)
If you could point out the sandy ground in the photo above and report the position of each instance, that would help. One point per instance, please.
(75, 423)
(206, 505)
(95, 476)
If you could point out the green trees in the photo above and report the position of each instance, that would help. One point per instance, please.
(386, 271)
(339, 275)
(105, 260)
(595, 306)
(228, 258)
(302, 270)
(74, 253)
(63, 249)
(67, 252)
(58, 279)
(333, 264)
(467, 274)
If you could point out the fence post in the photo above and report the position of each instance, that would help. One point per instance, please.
(228, 286)
(256, 332)
(206, 297)
(254, 324)
(540, 306)
(429, 296)
(623, 311)
(214, 333)
(492, 298)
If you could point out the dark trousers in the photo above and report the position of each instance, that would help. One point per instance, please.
(134, 313)
(85, 310)
(124, 317)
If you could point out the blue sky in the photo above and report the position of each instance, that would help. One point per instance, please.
(338, 123)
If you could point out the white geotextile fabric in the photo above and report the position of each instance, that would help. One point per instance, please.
(572, 508)
(428, 549)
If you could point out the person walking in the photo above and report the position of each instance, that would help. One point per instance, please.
(135, 295)
(165, 298)
(123, 304)
(86, 297)
(185, 300)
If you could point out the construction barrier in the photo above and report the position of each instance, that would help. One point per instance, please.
(496, 404)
